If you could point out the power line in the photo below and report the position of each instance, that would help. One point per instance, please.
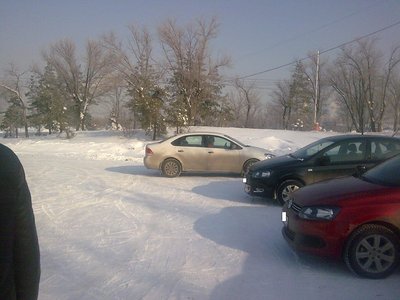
(296, 36)
(360, 38)
(321, 52)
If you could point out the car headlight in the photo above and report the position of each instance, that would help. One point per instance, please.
(318, 213)
(261, 174)
(268, 155)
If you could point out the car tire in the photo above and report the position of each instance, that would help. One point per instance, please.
(286, 188)
(171, 168)
(248, 164)
(372, 251)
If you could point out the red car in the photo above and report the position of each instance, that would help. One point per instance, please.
(353, 218)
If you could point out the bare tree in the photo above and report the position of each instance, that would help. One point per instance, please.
(282, 102)
(117, 102)
(394, 100)
(194, 75)
(135, 56)
(14, 86)
(142, 76)
(85, 80)
(250, 99)
(234, 102)
(348, 89)
(362, 83)
(391, 86)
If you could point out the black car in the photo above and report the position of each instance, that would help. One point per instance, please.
(326, 158)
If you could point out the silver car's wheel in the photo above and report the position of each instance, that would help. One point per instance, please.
(372, 251)
(171, 168)
(286, 189)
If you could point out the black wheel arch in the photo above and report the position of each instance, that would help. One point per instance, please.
(358, 235)
(388, 225)
(286, 178)
(170, 157)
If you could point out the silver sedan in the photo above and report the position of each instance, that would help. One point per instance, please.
(202, 152)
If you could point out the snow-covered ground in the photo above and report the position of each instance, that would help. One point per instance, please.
(111, 229)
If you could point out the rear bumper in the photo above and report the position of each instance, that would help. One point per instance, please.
(150, 163)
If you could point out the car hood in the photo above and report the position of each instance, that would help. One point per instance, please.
(256, 148)
(336, 191)
(257, 151)
(277, 161)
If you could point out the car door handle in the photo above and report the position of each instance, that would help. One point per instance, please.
(210, 152)
(181, 151)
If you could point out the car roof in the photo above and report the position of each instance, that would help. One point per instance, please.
(342, 137)
(199, 133)
(334, 138)
(202, 132)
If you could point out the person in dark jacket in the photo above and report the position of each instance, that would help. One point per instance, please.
(19, 246)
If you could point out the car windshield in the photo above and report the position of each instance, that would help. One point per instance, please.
(311, 149)
(384, 173)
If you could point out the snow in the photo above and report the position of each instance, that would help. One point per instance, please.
(111, 229)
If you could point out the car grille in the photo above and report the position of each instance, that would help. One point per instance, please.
(295, 207)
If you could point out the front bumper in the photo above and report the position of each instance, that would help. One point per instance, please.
(299, 240)
(253, 188)
(314, 237)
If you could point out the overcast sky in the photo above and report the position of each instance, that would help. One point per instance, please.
(257, 34)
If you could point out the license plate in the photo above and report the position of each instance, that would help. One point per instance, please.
(244, 179)
(285, 218)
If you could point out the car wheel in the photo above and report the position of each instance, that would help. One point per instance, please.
(171, 167)
(372, 251)
(286, 188)
(248, 164)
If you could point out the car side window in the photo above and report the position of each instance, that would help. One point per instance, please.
(222, 143)
(212, 141)
(316, 148)
(347, 151)
(333, 154)
(189, 141)
(381, 150)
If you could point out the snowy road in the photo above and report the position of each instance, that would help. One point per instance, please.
(111, 229)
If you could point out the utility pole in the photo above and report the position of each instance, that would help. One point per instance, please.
(316, 100)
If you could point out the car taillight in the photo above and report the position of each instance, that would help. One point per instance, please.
(149, 151)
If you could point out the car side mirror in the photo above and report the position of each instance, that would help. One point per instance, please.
(360, 170)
